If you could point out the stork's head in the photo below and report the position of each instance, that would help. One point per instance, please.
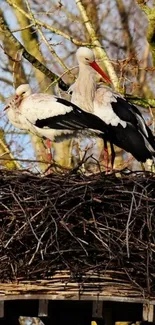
(87, 57)
(22, 92)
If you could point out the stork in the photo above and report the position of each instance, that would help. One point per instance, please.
(84, 89)
(52, 117)
(127, 127)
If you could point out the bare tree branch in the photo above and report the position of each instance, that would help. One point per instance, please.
(5, 29)
(47, 26)
(96, 43)
(9, 161)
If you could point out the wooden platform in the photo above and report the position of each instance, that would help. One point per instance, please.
(62, 286)
(105, 307)
(103, 291)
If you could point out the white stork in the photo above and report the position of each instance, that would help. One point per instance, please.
(126, 125)
(52, 117)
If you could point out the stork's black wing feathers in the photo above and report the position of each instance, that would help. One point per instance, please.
(150, 137)
(129, 138)
(130, 113)
(125, 111)
(131, 141)
(77, 119)
(61, 122)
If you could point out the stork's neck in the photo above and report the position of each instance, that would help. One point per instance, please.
(84, 88)
(14, 115)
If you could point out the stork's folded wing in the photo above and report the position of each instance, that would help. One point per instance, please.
(74, 120)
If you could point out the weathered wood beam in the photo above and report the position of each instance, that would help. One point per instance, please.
(148, 312)
(1, 308)
(43, 308)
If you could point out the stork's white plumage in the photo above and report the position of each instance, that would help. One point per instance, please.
(51, 117)
(126, 125)
(84, 89)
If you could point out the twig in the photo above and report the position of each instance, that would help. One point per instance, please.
(128, 223)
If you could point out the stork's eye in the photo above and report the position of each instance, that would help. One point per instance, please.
(87, 59)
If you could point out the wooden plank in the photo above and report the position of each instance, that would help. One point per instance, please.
(148, 312)
(1, 308)
(151, 313)
(67, 296)
(97, 309)
(43, 308)
(144, 316)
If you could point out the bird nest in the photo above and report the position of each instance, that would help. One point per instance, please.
(95, 229)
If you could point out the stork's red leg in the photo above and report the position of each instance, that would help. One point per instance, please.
(49, 154)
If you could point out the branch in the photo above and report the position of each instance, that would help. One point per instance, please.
(144, 102)
(9, 49)
(50, 48)
(128, 39)
(150, 13)
(36, 63)
(46, 26)
(96, 43)
(9, 162)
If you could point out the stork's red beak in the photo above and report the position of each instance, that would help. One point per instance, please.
(6, 107)
(96, 67)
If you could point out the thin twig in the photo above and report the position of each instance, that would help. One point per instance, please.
(128, 223)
